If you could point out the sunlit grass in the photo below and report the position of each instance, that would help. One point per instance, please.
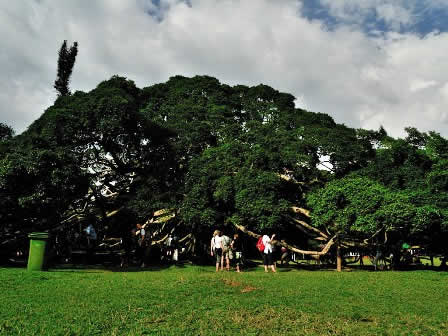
(194, 300)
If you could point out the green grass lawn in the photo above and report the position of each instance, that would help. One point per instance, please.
(194, 300)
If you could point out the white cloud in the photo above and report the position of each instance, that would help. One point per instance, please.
(421, 84)
(396, 80)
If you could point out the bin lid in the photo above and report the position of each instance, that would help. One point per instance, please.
(38, 235)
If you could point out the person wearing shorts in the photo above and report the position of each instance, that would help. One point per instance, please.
(267, 253)
(237, 248)
(216, 249)
(226, 251)
(285, 256)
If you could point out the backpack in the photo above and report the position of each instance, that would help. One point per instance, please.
(260, 245)
(225, 243)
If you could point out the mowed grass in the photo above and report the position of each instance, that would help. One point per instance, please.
(194, 300)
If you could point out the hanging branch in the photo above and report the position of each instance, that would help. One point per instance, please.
(288, 246)
(375, 234)
(113, 213)
(309, 227)
(155, 242)
(302, 211)
(297, 250)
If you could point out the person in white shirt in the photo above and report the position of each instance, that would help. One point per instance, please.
(142, 245)
(216, 249)
(91, 241)
(90, 231)
(267, 253)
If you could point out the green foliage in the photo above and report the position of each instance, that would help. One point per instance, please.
(399, 166)
(220, 155)
(231, 183)
(86, 143)
(6, 132)
(37, 186)
(348, 206)
(416, 167)
(359, 207)
(437, 178)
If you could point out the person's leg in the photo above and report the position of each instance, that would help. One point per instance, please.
(265, 262)
(144, 255)
(238, 261)
(270, 262)
(227, 261)
(217, 258)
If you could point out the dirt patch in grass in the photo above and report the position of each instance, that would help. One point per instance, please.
(232, 283)
(248, 289)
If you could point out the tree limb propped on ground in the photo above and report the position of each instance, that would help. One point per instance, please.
(289, 246)
(303, 226)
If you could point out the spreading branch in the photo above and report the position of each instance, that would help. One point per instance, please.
(113, 213)
(302, 211)
(309, 227)
(288, 246)
(374, 235)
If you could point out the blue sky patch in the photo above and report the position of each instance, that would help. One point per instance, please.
(159, 8)
(425, 18)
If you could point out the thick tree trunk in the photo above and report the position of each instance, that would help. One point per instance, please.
(338, 258)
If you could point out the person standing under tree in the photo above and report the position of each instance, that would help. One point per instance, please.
(237, 247)
(142, 245)
(267, 253)
(91, 237)
(284, 259)
(226, 252)
(127, 241)
(216, 249)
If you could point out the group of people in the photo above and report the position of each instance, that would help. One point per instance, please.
(224, 249)
(140, 240)
(137, 248)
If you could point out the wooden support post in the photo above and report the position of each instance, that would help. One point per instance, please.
(338, 258)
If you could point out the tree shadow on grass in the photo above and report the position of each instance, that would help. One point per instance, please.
(85, 268)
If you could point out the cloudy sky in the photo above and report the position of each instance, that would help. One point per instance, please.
(365, 62)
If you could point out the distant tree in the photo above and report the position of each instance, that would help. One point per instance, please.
(89, 152)
(66, 61)
(6, 132)
(417, 168)
(37, 186)
(363, 210)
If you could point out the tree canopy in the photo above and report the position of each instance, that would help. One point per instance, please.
(213, 155)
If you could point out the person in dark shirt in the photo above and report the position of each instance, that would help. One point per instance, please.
(127, 243)
(237, 248)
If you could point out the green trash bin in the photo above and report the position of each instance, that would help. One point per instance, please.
(38, 241)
